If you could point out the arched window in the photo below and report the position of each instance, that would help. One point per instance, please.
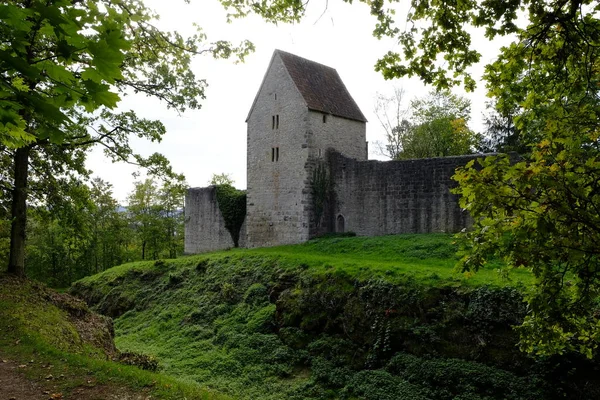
(340, 224)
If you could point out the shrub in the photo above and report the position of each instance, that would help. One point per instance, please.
(448, 378)
(142, 361)
(257, 293)
(381, 385)
(262, 320)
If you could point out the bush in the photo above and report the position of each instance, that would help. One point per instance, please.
(262, 320)
(142, 361)
(380, 385)
(448, 378)
(257, 293)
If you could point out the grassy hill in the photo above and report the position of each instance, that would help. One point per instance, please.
(335, 318)
(51, 343)
(350, 318)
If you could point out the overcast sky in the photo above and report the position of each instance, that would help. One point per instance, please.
(213, 139)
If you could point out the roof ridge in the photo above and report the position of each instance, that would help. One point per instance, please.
(303, 58)
(321, 86)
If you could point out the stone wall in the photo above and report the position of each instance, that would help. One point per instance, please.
(275, 205)
(204, 224)
(346, 136)
(380, 198)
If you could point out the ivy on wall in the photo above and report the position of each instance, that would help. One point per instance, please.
(320, 189)
(232, 203)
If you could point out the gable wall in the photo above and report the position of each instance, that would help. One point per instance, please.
(276, 190)
(346, 136)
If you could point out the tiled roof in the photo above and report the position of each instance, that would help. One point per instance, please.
(321, 87)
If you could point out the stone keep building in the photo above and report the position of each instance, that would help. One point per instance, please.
(308, 172)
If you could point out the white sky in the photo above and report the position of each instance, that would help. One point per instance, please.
(213, 139)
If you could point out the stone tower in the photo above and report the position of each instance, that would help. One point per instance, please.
(301, 109)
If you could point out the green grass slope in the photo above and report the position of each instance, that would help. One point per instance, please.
(60, 345)
(338, 318)
(429, 258)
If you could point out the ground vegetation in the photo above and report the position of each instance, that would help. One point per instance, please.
(340, 318)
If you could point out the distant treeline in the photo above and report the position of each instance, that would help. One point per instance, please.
(88, 231)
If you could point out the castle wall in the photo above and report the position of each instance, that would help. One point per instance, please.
(276, 188)
(204, 224)
(410, 196)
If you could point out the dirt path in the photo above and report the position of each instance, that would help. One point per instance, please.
(15, 385)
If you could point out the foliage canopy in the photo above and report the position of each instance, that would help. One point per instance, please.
(64, 67)
(433, 126)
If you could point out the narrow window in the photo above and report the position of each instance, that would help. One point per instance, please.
(276, 153)
(277, 124)
(319, 152)
(324, 118)
(272, 154)
(275, 96)
(273, 126)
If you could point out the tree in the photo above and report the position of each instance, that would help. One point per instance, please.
(501, 134)
(156, 215)
(61, 237)
(541, 212)
(145, 215)
(392, 117)
(439, 127)
(221, 179)
(171, 198)
(110, 232)
(82, 234)
(433, 126)
(64, 65)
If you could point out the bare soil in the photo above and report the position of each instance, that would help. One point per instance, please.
(17, 384)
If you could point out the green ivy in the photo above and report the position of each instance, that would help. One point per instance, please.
(232, 203)
(320, 188)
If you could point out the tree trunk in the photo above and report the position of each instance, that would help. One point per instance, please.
(16, 261)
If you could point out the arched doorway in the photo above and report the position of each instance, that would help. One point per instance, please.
(340, 224)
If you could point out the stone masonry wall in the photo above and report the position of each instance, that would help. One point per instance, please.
(276, 195)
(204, 224)
(346, 136)
(380, 198)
